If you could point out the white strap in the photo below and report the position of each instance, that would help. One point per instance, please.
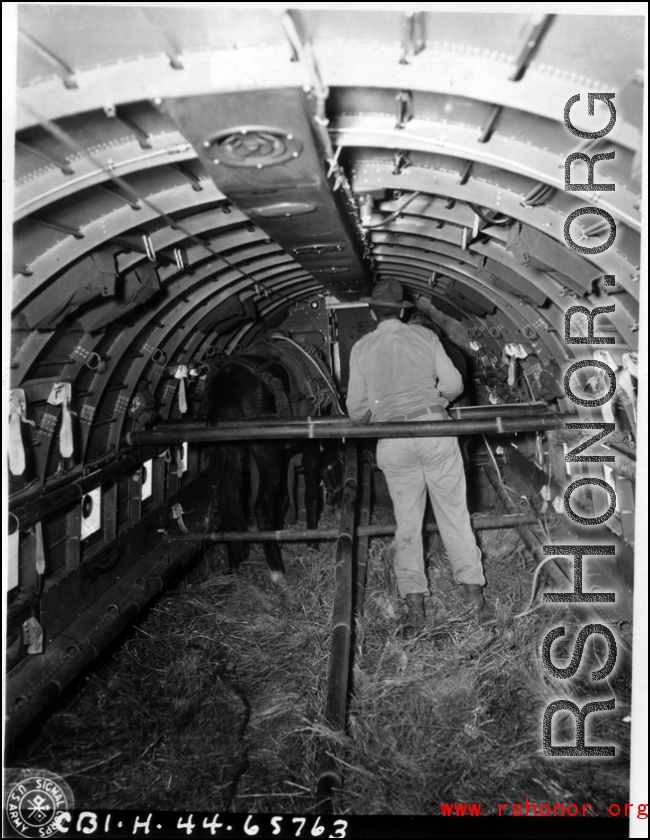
(40, 549)
(177, 514)
(516, 350)
(33, 636)
(61, 395)
(17, 407)
(512, 352)
(181, 375)
(512, 371)
(631, 363)
(179, 461)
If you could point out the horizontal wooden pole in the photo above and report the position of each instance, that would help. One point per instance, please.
(479, 523)
(465, 412)
(317, 431)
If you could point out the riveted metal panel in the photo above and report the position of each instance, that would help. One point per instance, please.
(281, 183)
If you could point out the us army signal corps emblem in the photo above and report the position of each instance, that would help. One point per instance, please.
(34, 802)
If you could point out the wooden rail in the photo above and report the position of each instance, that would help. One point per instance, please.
(479, 523)
(307, 429)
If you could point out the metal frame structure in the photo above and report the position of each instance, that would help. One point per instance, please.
(240, 158)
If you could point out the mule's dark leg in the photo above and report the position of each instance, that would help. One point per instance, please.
(311, 461)
(226, 464)
(271, 499)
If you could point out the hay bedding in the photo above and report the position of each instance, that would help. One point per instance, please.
(214, 700)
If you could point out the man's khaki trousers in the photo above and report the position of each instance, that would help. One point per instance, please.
(412, 466)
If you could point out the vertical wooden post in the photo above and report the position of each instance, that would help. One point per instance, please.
(364, 520)
(329, 775)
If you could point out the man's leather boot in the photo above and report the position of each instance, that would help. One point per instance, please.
(415, 620)
(473, 594)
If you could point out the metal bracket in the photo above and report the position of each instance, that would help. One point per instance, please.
(465, 172)
(62, 164)
(401, 161)
(404, 108)
(189, 176)
(65, 72)
(488, 128)
(149, 249)
(412, 36)
(539, 194)
(49, 223)
(133, 204)
(24, 270)
(143, 138)
(538, 28)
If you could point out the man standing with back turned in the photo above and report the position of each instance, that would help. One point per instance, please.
(401, 373)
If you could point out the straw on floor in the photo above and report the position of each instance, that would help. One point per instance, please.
(213, 701)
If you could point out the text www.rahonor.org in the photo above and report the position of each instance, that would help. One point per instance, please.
(543, 809)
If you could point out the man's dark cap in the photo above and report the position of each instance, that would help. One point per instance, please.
(388, 294)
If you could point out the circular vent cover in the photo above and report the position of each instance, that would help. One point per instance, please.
(87, 506)
(252, 147)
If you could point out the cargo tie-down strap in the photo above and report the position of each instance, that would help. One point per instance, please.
(175, 453)
(513, 352)
(61, 394)
(17, 408)
(181, 374)
(33, 636)
(177, 514)
(40, 548)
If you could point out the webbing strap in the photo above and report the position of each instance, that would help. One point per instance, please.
(17, 408)
(40, 548)
(181, 375)
(33, 636)
(177, 514)
(513, 352)
(61, 395)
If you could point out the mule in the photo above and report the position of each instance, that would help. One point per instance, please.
(251, 387)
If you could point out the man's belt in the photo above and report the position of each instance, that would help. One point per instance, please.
(437, 410)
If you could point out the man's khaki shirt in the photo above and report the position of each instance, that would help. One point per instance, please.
(398, 369)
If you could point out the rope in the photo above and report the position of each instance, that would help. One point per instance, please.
(321, 370)
(494, 460)
(533, 591)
